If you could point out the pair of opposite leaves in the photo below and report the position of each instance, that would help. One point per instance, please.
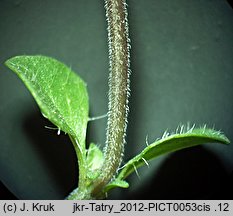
(62, 97)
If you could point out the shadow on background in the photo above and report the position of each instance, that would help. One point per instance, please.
(188, 174)
(193, 173)
(230, 3)
(55, 151)
(5, 194)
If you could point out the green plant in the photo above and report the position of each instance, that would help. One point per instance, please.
(63, 99)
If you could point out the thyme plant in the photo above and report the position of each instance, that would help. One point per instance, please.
(63, 99)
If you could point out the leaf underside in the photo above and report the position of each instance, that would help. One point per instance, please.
(172, 143)
(60, 93)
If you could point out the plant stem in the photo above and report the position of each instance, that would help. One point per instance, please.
(118, 41)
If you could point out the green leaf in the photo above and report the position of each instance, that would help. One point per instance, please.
(191, 137)
(95, 159)
(116, 183)
(60, 93)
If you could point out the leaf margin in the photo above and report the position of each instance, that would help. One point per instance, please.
(202, 135)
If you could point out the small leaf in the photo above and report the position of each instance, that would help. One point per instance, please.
(95, 159)
(172, 143)
(60, 93)
(116, 183)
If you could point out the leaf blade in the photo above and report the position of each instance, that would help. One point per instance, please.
(116, 183)
(170, 144)
(60, 93)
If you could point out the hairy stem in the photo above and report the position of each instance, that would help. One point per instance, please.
(118, 41)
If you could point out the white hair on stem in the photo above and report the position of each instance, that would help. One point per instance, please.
(119, 91)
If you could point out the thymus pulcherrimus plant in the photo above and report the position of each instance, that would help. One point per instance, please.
(63, 99)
